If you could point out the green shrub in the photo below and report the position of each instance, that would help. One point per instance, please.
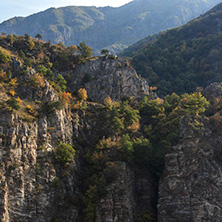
(84, 50)
(61, 82)
(126, 146)
(49, 107)
(194, 103)
(65, 153)
(13, 103)
(4, 58)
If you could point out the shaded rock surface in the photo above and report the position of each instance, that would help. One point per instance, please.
(213, 91)
(190, 189)
(32, 188)
(127, 197)
(119, 202)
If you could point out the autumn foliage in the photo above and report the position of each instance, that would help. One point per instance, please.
(13, 82)
(66, 96)
(82, 94)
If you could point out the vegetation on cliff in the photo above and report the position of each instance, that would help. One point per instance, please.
(137, 132)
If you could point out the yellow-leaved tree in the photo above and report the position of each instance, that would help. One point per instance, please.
(82, 94)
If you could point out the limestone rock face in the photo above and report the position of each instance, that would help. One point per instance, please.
(34, 187)
(118, 203)
(190, 189)
(31, 188)
(112, 77)
(213, 91)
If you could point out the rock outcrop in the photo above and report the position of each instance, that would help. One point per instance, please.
(35, 188)
(190, 189)
(36, 117)
(213, 91)
(119, 202)
(128, 198)
(31, 185)
(109, 76)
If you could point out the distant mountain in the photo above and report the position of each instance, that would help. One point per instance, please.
(107, 27)
(183, 58)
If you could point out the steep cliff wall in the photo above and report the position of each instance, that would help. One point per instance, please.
(35, 187)
(63, 158)
(32, 185)
(109, 76)
(190, 189)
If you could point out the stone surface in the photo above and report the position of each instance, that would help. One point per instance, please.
(190, 189)
(35, 188)
(112, 77)
(213, 91)
(118, 203)
(31, 185)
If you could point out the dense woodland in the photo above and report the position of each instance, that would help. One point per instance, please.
(181, 59)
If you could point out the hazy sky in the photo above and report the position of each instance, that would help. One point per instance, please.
(11, 8)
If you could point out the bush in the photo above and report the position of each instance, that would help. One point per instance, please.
(117, 124)
(84, 50)
(4, 58)
(195, 103)
(61, 82)
(13, 82)
(37, 80)
(108, 103)
(66, 96)
(127, 146)
(65, 153)
(49, 107)
(3, 76)
(82, 94)
(13, 103)
(130, 115)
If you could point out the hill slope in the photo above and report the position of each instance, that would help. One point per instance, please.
(183, 58)
(113, 28)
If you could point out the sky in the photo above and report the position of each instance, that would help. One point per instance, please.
(11, 8)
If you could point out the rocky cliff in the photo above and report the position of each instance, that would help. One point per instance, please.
(36, 187)
(63, 158)
(109, 76)
(33, 187)
(190, 189)
(98, 183)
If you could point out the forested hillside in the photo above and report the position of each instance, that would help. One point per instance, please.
(183, 58)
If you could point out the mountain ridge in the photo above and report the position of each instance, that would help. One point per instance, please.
(106, 27)
(183, 58)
